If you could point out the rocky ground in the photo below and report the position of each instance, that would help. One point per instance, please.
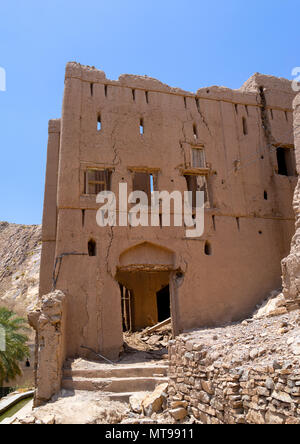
(84, 407)
(269, 340)
(20, 251)
(271, 335)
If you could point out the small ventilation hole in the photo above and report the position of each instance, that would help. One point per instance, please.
(265, 195)
(207, 249)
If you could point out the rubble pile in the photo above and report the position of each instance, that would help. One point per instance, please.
(147, 340)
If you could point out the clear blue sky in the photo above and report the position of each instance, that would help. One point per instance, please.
(186, 43)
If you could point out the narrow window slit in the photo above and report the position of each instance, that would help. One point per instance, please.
(272, 115)
(198, 104)
(160, 220)
(83, 217)
(99, 124)
(92, 89)
(214, 222)
(236, 108)
(245, 126)
(286, 116)
(105, 90)
(265, 195)
(133, 95)
(151, 183)
(238, 223)
(147, 96)
(92, 248)
(247, 110)
(141, 126)
(207, 249)
(195, 131)
(185, 104)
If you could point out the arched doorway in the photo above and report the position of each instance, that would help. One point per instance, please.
(144, 275)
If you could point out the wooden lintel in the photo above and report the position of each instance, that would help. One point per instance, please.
(196, 171)
(143, 169)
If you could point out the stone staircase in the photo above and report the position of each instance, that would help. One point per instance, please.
(118, 382)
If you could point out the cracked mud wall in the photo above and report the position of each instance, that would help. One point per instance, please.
(48, 318)
(291, 264)
(248, 234)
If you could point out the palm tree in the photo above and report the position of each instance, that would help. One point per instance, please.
(16, 349)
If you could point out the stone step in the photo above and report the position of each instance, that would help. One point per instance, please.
(120, 397)
(117, 372)
(115, 385)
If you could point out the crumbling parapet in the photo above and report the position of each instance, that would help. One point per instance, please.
(291, 264)
(48, 319)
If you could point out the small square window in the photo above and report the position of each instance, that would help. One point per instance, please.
(97, 181)
(198, 158)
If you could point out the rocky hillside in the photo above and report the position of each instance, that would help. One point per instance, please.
(20, 250)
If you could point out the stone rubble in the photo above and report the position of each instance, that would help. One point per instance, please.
(147, 341)
(241, 373)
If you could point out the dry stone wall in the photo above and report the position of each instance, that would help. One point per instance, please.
(247, 373)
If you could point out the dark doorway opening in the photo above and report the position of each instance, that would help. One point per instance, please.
(163, 304)
(127, 306)
(281, 160)
(286, 161)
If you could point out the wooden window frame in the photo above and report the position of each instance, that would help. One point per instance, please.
(87, 182)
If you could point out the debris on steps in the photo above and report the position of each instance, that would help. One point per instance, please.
(152, 340)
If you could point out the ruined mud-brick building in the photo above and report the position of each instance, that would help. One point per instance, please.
(291, 264)
(236, 145)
